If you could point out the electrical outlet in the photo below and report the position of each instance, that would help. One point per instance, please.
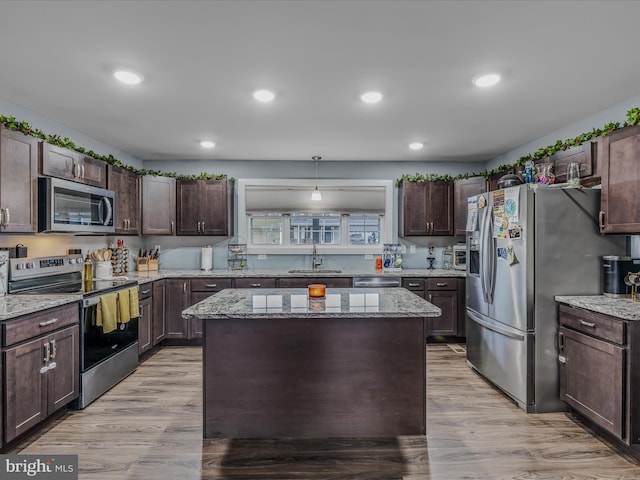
(368, 257)
(412, 249)
(157, 247)
(262, 256)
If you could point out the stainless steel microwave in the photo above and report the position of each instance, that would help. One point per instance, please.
(65, 206)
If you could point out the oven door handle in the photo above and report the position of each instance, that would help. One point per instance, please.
(90, 302)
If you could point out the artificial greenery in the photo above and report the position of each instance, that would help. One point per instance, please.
(13, 124)
(633, 118)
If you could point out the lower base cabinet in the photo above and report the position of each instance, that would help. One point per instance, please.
(40, 371)
(158, 324)
(145, 321)
(600, 371)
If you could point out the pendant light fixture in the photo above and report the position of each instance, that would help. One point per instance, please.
(316, 196)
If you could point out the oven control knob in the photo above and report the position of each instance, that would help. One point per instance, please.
(72, 261)
(31, 265)
(20, 266)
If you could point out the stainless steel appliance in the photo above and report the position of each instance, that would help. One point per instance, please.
(65, 206)
(105, 358)
(553, 247)
(460, 257)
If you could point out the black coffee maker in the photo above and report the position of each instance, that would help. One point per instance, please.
(615, 268)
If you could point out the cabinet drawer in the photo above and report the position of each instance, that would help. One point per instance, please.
(255, 283)
(305, 282)
(24, 328)
(145, 291)
(593, 324)
(449, 283)
(413, 283)
(209, 284)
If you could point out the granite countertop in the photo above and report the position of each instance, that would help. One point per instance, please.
(144, 277)
(252, 303)
(623, 308)
(12, 306)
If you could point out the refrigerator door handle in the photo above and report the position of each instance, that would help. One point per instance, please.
(491, 247)
(502, 331)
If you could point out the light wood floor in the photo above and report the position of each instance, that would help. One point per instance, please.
(150, 427)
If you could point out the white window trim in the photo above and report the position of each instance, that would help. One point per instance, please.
(386, 220)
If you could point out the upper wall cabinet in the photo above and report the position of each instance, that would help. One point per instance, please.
(426, 208)
(618, 158)
(70, 165)
(126, 185)
(462, 190)
(158, 205)
(18, 182)
(204, 207)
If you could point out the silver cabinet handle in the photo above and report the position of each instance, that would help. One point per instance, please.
(53, 349)
(601, 219)
(587, 324)
(145, 291)
(3, 222)
(184, 287)
(254, 285)
(48, 322)
(202, 227)
(171, 226)
(7, 216)
(212, 285)
(430, 297)
(414, 284)
(441, 284)
(74, 170)
(47, 352)
(198, 227)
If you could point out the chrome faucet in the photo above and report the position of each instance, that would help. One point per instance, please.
(315, 263)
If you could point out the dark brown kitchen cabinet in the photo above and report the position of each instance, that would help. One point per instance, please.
(462, 190)
(248, 282)
(145, 321)
(18, 182)
(443, 293)
(126, 185)
(158, 205)
(40, 356)
(599, 378)
(70, 165)
(426, 208)
(177, 299)
(202, 288)
(330, 282)
(618, 158)
(204, 207)
(158, 325)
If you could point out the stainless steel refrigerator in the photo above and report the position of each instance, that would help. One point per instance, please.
(525, 246)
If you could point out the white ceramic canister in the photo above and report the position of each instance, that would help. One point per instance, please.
(104, 270)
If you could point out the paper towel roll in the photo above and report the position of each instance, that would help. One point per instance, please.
(206, 258)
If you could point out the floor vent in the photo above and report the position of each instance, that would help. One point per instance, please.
(458, 348)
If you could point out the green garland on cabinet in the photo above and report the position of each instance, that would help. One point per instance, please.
(633, 118)
(13, 124)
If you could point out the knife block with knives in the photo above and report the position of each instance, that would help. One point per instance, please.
(147, 262)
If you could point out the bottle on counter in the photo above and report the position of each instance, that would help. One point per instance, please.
(87, 274)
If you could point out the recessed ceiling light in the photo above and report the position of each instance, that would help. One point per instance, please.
(371, 97)
(488, 80)
(128, 77)
(207, 144)
(264, 95)
(416, 146)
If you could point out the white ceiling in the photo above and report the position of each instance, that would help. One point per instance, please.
(561, 61)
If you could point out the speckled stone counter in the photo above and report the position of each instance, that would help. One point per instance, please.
(278, 364)
(12, 306)
(294, 303)
(622, 308)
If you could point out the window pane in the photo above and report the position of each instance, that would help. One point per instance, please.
(308, 228)
(266, 230)
(364, 229)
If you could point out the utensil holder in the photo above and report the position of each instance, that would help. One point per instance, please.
(103, 270)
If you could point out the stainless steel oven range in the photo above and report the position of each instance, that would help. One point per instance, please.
(105, 358)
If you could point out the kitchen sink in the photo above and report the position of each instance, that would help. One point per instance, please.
(317, 270)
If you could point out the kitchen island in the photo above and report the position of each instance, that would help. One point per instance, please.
(280, 364)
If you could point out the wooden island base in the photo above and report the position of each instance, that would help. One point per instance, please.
(314, 377)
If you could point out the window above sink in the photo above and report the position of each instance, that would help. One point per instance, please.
(353, 217)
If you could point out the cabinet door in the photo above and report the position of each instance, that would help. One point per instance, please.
(158, 205)
(214, 211)
(158, 323)
(620, 181)
(92, 171)
(176, 300)
(414, 209)
(145, 341)
(447, 323)
(59, 162)
(592, 378)
(189, 205)
(462, 190)
(18, 182)
(25, 387)
(195, 324)
(63, 375)
(440, 208)
(126, 185)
